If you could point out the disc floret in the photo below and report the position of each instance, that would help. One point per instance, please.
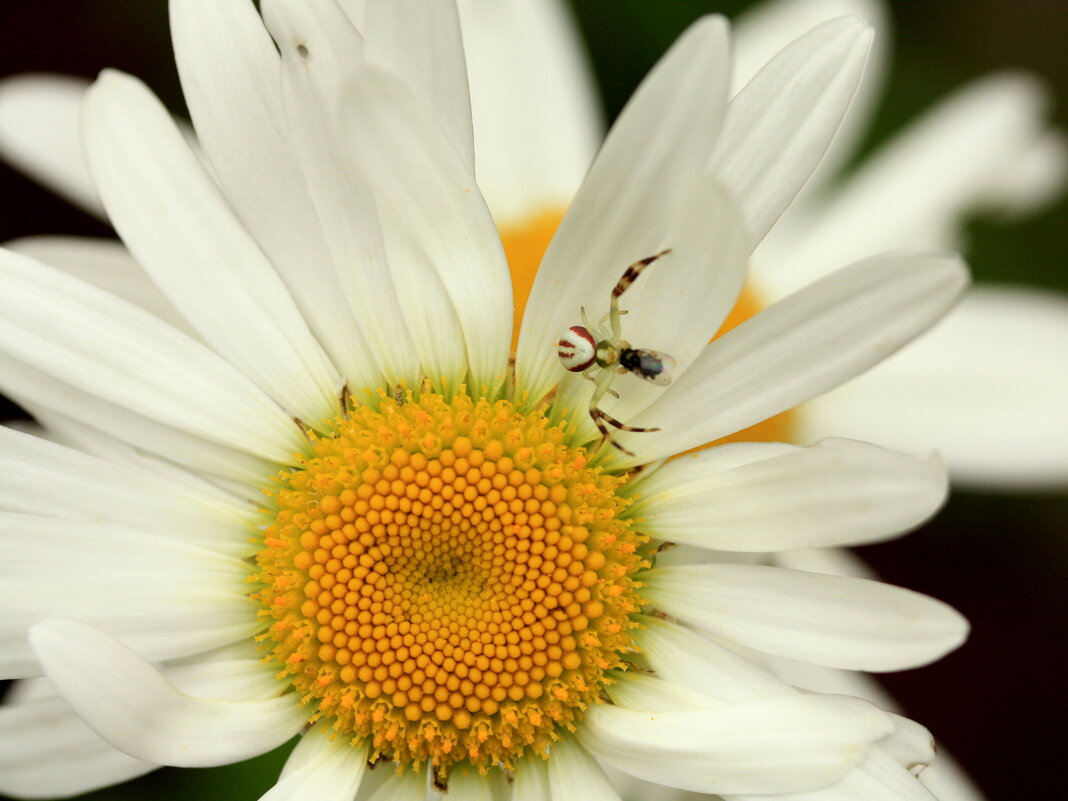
(449, 580)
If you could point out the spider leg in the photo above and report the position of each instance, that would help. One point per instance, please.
(603, 387)
(589, 377)
(629, 276)
(621, 426)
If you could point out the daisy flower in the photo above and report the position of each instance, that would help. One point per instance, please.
(293, 483)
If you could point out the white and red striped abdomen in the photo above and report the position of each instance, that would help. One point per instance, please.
(577, 349)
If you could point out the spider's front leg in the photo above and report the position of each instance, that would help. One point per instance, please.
(622, 285)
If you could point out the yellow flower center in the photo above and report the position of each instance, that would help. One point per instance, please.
(524, 245)
(448, 579)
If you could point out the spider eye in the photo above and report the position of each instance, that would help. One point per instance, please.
(577, 349)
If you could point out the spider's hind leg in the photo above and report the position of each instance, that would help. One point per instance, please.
(606, 435)
(603, 415)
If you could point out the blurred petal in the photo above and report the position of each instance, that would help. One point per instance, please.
(915, 192)
(39, 135)
(997, 365)
(536, 111)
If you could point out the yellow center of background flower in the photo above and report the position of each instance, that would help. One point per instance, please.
(526, 242)
(449, 579)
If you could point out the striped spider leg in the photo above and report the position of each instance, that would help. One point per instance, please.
(600, 353)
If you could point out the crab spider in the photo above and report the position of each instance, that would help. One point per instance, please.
(600, 353)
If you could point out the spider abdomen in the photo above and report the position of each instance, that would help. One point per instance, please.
(577, 349)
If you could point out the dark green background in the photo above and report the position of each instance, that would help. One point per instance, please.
(999, 702)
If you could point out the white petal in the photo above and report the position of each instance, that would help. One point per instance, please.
(677, 305)
(948, 781)
(225, 674)
(531, 780)
(39, 134)
(128, 703)
(104, 263)
(801, 347)
(420, 43)
(408, 786)
(46, 751)
(817, 678)
(1037, 177)
(574, 774)
(469, 785)
(644, 693)
(996, 365)
(780, 125)
(774, 745)
(830, 620)
(916, 190)
(835, 561)
(48, 479)
(443, 245)
(876, 778)
(684, 657)
(632, 196)
(177, 223)
(320, 52)
(911, 745)
(836, 492)
(229, 70)
(241, 495)
(122, 354)
(169, 599)
(760, 31)
(97, 426)
(536, 112)
(325, 766)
